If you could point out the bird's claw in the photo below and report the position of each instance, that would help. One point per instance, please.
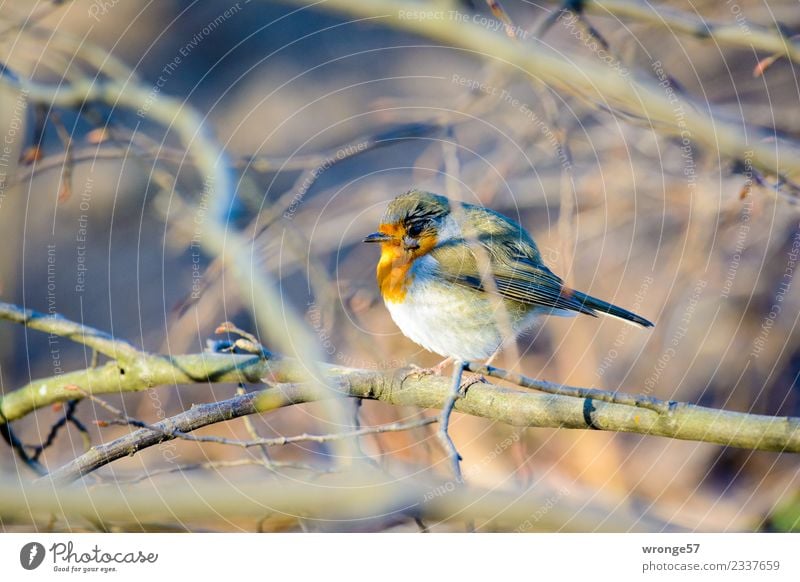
(470, 379)
(419, 372)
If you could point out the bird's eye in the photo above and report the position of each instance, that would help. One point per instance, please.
(415, 229)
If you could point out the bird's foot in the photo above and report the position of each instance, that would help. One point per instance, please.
(417, 372)
(470, 379)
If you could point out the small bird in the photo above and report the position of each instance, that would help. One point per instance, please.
(448, 270)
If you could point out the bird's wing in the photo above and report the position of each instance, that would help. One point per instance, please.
(516, 277)
(516, 267)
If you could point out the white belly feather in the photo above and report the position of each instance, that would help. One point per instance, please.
(449, 320)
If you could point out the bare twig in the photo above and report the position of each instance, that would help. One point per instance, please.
(600, 410)
(19, 449)
(636, 400)
(68, 418)
(310, 164)
(684, 421)
(444, 422)
(292, 198)
(65, 190)
(279, 441)
(263, 450)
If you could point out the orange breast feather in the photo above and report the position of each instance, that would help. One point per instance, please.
(393, 273)
(394, 277)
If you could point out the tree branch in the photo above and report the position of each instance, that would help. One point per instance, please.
(257, 288)
(667, 112)
(355, 498)
(563, 407)
(121, 418)
(525, 409)
(740, 34)
(55, 325)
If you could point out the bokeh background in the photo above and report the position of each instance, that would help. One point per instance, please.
(618, 210)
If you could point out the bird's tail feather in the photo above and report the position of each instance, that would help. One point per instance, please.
(600, 306)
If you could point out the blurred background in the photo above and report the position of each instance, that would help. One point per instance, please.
(325, 120)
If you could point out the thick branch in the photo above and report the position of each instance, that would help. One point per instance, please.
(563, 406)
(526, 409)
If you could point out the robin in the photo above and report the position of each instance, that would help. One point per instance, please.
(461, 280)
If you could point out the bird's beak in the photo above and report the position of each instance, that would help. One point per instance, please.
(377, 237)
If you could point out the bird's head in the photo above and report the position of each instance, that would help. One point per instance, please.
(413, 224)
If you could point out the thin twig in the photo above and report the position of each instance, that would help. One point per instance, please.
(247, 342)
(19, 449)
(444, 422)
(636, 400)
(160, 153)
(122, 419)
(68, 418)
(263, 450)
(280, 441)
(292, 198)
(65, 189)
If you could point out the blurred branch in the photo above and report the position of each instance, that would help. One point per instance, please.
(216, 237)
(308, 162)
(42, 10)
(219, 465)
(356, 498)
(742, 33)
(667, 111)
(294, 196)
